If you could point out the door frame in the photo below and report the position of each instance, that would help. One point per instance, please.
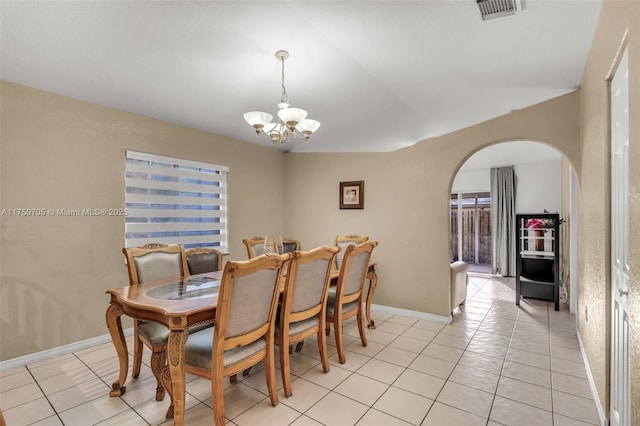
(620, 390)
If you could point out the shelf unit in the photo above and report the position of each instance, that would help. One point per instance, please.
(538, 258)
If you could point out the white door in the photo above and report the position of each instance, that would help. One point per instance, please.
(620, 391)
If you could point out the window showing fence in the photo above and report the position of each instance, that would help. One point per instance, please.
(471, 227)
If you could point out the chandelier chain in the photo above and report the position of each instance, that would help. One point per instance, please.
(285, 96)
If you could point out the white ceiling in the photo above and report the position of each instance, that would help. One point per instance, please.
(379, 75)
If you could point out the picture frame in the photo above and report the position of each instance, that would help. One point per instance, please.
(352, 195)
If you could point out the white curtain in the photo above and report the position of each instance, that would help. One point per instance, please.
(503, 220)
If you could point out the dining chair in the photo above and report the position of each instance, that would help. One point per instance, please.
(255, 247)
(290, 245)
(303, 308)
(244, 329)
(156, 262)
(343, 241)
(203, 259)
(347, 300)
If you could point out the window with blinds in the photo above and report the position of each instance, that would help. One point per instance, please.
(175, 201)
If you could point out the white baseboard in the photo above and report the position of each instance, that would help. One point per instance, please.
(604, 421)
(11, 364)
(412, 314)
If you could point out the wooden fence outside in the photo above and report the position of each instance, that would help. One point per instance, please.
(469, 235)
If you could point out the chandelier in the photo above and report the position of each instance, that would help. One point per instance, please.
(293, 121)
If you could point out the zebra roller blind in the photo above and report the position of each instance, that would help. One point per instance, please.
(175, 201)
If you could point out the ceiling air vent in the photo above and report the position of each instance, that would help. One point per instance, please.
(490, 9)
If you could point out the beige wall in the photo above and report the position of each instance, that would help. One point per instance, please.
(407, 198)
(594, 236)
(62, 153)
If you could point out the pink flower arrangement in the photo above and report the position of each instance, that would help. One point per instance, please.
(535, 223)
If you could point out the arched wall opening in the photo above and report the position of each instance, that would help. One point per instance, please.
(546, 182)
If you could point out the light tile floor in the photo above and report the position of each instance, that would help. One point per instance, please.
(496, 364)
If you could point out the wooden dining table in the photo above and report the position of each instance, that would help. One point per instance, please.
(178, 304)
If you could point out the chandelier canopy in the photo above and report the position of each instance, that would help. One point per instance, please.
(293, 121)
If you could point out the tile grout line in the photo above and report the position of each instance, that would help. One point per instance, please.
(45, 396)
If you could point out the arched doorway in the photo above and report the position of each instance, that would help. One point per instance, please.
(542, 172)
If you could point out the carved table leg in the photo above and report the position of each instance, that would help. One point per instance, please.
(114, 325)
(175, 381)
(166, 382)
(372, 276)
(158, 361)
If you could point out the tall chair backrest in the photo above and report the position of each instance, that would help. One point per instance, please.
(153, 264)
(353, 271)
(255, 247)
(345, 241)
(307, 284)
(289, 245)
(201, 260)
(247, 301)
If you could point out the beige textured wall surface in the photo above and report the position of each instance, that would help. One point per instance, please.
(58, 152)
(594, 235)
(565, 266)
(407, 192)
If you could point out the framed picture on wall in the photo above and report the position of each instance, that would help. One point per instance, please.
(352, 195)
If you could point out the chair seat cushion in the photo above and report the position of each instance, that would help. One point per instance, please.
(331, 301)
(154, 332)
(199, 346)
(158, 334)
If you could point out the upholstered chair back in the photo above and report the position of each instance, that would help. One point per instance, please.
(202, 260)
(289, 245)
(153, 264)
(255, 247)
(309, 285)
(345, 241)
(250, 303)
(356, 273)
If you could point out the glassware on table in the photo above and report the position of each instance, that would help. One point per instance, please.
(273, 244)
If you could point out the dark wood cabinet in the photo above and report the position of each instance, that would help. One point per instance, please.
(538, 257)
